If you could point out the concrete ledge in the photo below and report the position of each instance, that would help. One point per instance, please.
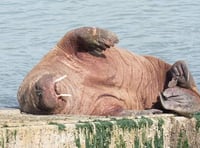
(60, 131)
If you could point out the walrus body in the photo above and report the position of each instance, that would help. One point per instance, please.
(86, 74)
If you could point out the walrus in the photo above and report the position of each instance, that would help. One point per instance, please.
(86, 74)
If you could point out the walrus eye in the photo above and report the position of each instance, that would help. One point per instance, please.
(38, 91)
(39, 94)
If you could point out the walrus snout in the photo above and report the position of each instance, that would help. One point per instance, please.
(47, 92)
(44, 95)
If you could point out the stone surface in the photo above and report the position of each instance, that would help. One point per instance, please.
(61, 131)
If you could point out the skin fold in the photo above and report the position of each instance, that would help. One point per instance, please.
(86, 74)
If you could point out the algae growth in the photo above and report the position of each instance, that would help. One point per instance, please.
(9, 136)
(60, 126)
(182, 140)
(98, 133)
(197, 117)
(158, 138)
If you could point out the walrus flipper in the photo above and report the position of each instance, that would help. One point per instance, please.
(95, 40)
(180, 100)
(182, 95)
(181, 76)
(88, 39)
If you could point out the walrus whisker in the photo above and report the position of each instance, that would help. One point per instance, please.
(64, 95)
(60, 79)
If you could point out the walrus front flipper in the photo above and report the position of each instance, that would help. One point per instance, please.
(181, 76)
(89, 39)
(95, 40)
(180, 100)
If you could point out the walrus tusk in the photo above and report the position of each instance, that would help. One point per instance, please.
(94, 31)
(64, 95)
(58, 80)
(61, 78)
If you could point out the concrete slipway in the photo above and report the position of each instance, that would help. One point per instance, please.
(61, 131)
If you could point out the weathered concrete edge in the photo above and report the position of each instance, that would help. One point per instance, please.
(21, 130)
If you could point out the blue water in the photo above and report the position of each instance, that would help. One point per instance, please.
(28, 29)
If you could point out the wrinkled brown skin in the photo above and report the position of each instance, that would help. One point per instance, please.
(100, 78)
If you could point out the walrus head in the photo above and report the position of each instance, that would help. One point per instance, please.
(44, 90)
(43, 96)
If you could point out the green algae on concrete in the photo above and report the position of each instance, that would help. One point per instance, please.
(159, 131)
(60, 126)
(2, 141)
(158, 138)
(98, 133)
(9, 136)
(136, 142)
(197, 117)
(126, 124)
(120, 143)
(146, 142)
(182, 140)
